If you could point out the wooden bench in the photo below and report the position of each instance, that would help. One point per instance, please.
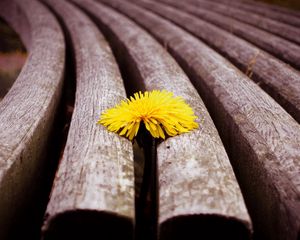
(283, 30)
(275, 45)
(27, 111)
(249, 189)
(261, 138)
(265, 69)
(280, 16)
(269, 7)
(93, 191)
(143, 70)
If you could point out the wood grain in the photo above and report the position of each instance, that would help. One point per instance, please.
(261, 138)
(28, 109)
(94, 186)
(281, 29)
(195, 176)
(270, 73)
(277, 46)
(267, 12)
(283, 8)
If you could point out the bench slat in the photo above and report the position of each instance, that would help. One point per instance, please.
(268, 71)
(28, 109)
(196, 159)
(275, 7)
(93, 190)
(262, 140)
(277, 46)
(281, 29)
(278, 16)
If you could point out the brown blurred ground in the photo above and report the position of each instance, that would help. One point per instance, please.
(292, 4)
(12, 57)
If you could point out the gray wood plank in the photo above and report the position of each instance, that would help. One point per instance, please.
(27, 111)
(281, 29)
(195, 178)
(267, 12)
(93, 191)
(285, 8)
(270, 73)
(261, 138)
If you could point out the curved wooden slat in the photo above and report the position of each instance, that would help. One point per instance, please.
(274, 7)
(205, 10)
(195, 177)
(93, 191)
(28, 109)
(281, 29)
(281, 48)
(261, 138)
(265, 69)
(267, 12)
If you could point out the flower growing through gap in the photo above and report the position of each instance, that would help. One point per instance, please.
(160, 111)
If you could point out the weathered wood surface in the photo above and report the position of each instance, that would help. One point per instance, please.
(267, 12)
(281, 29)
(28, 109)
(277, 46)
(93, 190)
(194, 173)
(273, 7)
(262, 139)
(269, 72)
(274, 44)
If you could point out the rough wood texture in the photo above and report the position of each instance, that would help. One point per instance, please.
(281, 48)
(195, 176)
(262, 139)
(281, 29)
(267, 12)
(28, 109)
(268, 71)
(93, 190)
(275, 7)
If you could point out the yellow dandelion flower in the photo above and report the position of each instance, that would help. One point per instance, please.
(160, 111)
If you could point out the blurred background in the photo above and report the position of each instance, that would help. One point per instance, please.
(12, 57)
(13, 53)
(293, 4)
